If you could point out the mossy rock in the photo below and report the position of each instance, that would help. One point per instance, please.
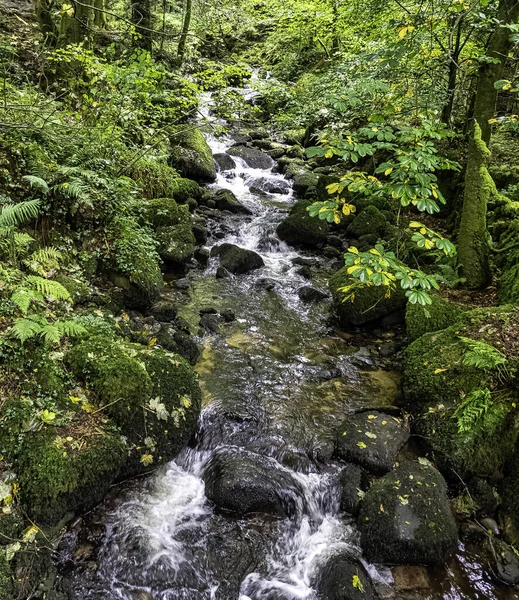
(237, 260)
(134, 263)
(191, 156)
(183, 190)
(68, 468)
(370, 303)
(155, 179)
(405, 517)
(152, 395)
(162, 212)
(504, 160)
(176, 244)
(6, 578)
(369, 221)
(78, 290)
(437, 378)
(438, 315)
(508, 289)
(300, 229)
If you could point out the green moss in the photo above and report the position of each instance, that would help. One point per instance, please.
(11, 527)
(509, 285)
(165, 212)
(368, 222)
(69, 468)
(6, 578)
(370, 303)
(438, 315)
(134, 263)
(191, 156)
(300, 229)
(154, 178)
(176, 244)
(184, 190)
(79, 291)
(504, 162)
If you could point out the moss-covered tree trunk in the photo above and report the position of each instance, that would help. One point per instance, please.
(43, 9)
(473, 248)
(77, 23)
(185, 31)
(100, 14)
(142, 21)
(499, 46)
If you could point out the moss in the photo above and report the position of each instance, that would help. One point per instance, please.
(11, 527)
(184, 190)
(165, 212)
(504, 161)
(438, 315)
(155, 179)
(134, 263)
(370, 303)
(79, 291)
(191, 156)
(369, 221)
(68, 468)
(300, 229)
(509, 285)
(415, 524)
(131, 381)
(6, 578)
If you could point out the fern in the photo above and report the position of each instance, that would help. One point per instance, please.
(15, 214)
(48, 287)
(37, 182)
(22, 298)
(43, 260)
(35, 326)
(482, 355)
(472, 410)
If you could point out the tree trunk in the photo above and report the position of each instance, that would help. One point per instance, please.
(499, 47)
(100, 15)
(43, 9)
(473, 248)
(76, 24)
(141, 19)
(185, 30)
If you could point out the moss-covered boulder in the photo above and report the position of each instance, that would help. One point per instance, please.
(334, 578)
(152, 395)
(372, 440)
(370, 303)
(300, 229)
(78, 290)
(459, 385)
(226, 200)
(253, 157)
(306, 182)
(191, 156)
(183, 190)
(438, 315)
(237, 260)
(369, 221)
(133, 264)
(405, 517)
(68, 468)
(508, 289)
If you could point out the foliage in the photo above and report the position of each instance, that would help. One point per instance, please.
(472, 410)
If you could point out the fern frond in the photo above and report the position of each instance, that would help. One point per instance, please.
(25, 329)
(38, 326)
(48, 287)
(482, 355)
(472, 410)
(43, 259)
(70, 328)
(22, 298)
(37, 183)
(14, 214)
(22, 239)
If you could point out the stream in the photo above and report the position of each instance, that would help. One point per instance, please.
(277, 380)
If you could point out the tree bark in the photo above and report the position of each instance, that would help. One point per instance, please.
(43, 9)
(185, 30)
(100, 15)
(76, 24)
(141, 19)
(499, 47)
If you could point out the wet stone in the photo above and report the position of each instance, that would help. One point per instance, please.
(310, 294)
(410, 578)
(224, 162)
(371, 440)
(237, 260)
(222, 273)
(350, 481)
(225, 200)
(335, 579)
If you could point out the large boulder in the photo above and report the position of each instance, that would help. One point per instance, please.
(69, 468)
(237, 260)
(152, 395)
(405, 517)
(226, 200)
(440, 314)
(372, 440)
(369, 304)
(271, 186)
(184, 190)
(224, 162)
(368, 221)
(306, 182)
(300, 229)
(244, 482)
(460, 387)
(191, 156)
(253, 157)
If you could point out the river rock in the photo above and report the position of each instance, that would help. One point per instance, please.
(173, 340)
(224, 162)
(226, 200)
(350, 481)
(253, 157)
(309, 293)
(269, 243)
(191, 155)
(502, 559)
(372, 440)
(211, 322)
(272, 186)
(300, 229)
(335, 579)
(222, 273)
(164, 310)
(243, 483)
(305, 182)
(237, 260)
(405, 517)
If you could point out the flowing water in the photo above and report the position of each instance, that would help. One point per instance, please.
(276, 382)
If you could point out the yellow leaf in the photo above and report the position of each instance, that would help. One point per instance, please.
(336, 218)
(381, 508)
(152, 342)
(402, 33)
(436, 371)
(353, 269)
(332, 188)
(328, 154)
(146, 459)
(353, 250)
(388, 171)
(361, 445)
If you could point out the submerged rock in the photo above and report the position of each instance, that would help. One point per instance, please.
(343, 577)
(300, 229)
(191, 155)
(309, 293)
(253, 157)
(405, 517)
(237, 260)
(244, 482)
(372, 440)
